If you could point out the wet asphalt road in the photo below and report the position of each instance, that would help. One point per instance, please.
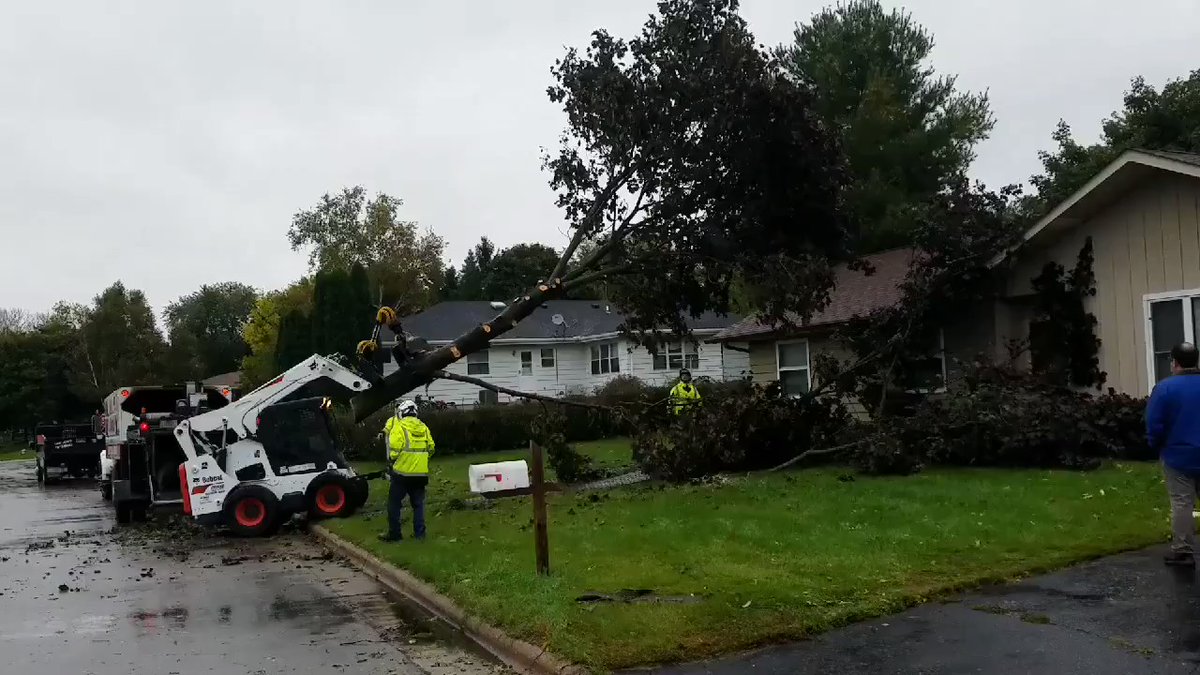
(77, 598)
(1127, 614)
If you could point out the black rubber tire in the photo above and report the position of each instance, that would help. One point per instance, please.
(106, 491)
(138, 513)
(248, 523)
(317, 497)
(124, 512)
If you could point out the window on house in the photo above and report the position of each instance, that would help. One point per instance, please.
(928, 375)
(526, 363)
(605, 359)
(477, 363)
(792, 367)
(676, 356)
(547, 358)
(1172, 319)
(488, 397)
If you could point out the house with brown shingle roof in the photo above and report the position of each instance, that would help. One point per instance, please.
(1142, 213)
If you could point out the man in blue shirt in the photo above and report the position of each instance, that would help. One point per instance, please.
(1173, 430)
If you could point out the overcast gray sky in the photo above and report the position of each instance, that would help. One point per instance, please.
(168, 143)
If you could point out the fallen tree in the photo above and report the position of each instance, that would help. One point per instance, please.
(689, 161)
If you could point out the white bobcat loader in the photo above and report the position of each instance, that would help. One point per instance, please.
(260, 459)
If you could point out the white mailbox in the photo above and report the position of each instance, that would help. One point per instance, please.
(499, 476)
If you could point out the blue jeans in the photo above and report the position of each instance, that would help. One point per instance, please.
(414, 488)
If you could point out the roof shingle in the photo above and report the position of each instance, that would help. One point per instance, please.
(854, 294)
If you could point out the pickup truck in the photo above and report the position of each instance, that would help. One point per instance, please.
(67, 450)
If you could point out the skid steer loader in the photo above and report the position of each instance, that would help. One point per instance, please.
(254, 463)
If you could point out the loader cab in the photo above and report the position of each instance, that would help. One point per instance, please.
(298, 437)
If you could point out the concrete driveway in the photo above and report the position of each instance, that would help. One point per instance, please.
(75, 597)
(1119, 615)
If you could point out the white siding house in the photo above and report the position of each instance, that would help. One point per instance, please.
(567, 347)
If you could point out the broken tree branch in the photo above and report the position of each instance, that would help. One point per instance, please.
(596, 209)
(614, 239)
(443, 375)
(598, 274)
(818, 453)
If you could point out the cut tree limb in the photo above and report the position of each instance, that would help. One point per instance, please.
(421, 368)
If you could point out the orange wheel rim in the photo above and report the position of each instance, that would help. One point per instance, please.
(250, 512)
(331, 499)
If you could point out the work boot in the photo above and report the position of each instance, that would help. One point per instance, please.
(389, 537)
(1179, 559)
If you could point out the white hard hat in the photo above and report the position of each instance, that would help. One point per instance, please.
(406, 408)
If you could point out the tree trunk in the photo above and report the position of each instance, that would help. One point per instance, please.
(422, 369)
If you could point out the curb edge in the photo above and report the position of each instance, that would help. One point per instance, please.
(517, 654)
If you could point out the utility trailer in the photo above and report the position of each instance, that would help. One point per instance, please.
(67, 450)
(141, 449)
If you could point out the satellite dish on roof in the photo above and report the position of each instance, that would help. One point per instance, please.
(557, 320)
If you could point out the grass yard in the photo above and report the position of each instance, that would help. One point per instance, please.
(11, 452)
(760, 559)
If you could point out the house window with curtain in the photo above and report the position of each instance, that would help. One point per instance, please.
(792, 370)
(547, 358)
(526, 363)
(605, 359)
(477, 363)
(676, 356)
(1171, 318)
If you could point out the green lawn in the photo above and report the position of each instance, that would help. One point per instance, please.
(11, 452)
(759, 559)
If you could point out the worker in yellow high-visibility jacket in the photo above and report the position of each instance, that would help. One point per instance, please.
(409, 445)
(684, 394)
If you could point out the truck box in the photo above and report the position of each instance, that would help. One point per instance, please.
(67, 450)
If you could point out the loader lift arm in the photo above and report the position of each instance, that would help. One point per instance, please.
(314, 376)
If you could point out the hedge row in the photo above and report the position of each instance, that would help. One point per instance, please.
(505, 427)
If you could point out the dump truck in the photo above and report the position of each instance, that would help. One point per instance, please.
(67, 450)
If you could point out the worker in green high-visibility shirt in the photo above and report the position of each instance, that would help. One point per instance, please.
(684, 394)
(409, 446)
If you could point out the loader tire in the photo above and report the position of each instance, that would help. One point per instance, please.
(252, 511)
(330, 495)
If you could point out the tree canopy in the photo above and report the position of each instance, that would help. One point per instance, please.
(261, 332)
(907, 132)
(118, 342)
(205, 330)
(689, 159)
(35, 382)
(404, 264)
(1150, 119)
(473, 277)
(488, 275)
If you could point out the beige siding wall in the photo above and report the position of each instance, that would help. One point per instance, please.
(763, 366)
(1147, 241)
(764, 369)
